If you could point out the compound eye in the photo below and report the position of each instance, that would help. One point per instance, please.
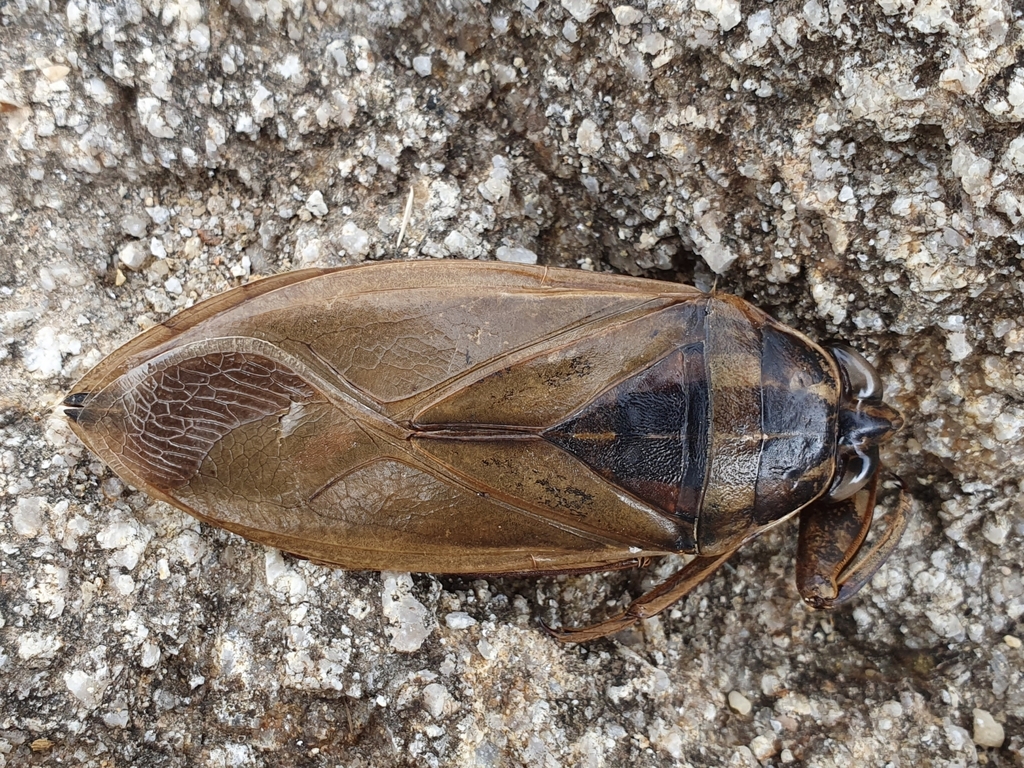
(855, 470)
(860, 378)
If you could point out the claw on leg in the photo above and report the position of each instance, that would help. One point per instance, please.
(669, 592)
(830, 566)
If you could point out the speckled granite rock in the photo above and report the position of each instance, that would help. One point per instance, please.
(857, 169)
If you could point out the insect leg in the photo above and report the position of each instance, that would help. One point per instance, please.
(670, 591)
(830, 568)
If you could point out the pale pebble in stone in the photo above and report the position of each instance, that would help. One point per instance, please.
(498, 184)
(515, 254)
(150, 655)
(486, 649)
(987, 732)
(739, 703)
(28, 516)
(45, 357)
(456, 242)
(459, 620)
(760, 26)
(588, 137)
(972, 169)
(315, 204)
(581, 10)
(88, 689)
(353, 240)
(763, 747)
(159, 214)
(422, 65)
(134, 225)
(407, 615)
(435, 698)
(726, 12)
(958, 346)
(626, 15)
(35, 645)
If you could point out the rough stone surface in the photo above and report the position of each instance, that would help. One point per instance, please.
(854, 168)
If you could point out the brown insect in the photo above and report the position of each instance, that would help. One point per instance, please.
(483, 418)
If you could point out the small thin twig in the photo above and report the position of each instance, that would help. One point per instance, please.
(406, 218)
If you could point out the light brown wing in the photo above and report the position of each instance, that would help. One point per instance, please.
(311, 412)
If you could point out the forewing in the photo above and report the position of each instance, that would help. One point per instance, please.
(282, 415)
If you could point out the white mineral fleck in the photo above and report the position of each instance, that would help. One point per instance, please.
(589, 138)
(88, 689)
(98, 91)
(200, 38)
(945, 624)
(244, 123)
(290, 67)
(1008, 427)
(627, 14)
(150, 655)
(309, 252)
(150, 116)
(717, 256)
(972, 169)
(995, 531)
(44, 357)
(315, 204)
(581, 10)
(123, 584)
(134, 225)
(931, 16)
(760, 26)
(353, 240)
(961, 76)
(118, 719)
(503, 73)
(763, 747)
(795, 703)
(435, 697)
(34, 645)
(459, 620)
(958, 346)
(407, 615)
(668, 738)
(815, 15)
(364, 54)
(652, 43)
(726, 12)
(498, 184)
(789, 31)
(28, 516)
(1013, 158)
(159, 214)
(516, 254)
(262, 105)
(987, 732)
(486, 649)
(17, 319)
(456, 242)
(422, 65)
(739, 703)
